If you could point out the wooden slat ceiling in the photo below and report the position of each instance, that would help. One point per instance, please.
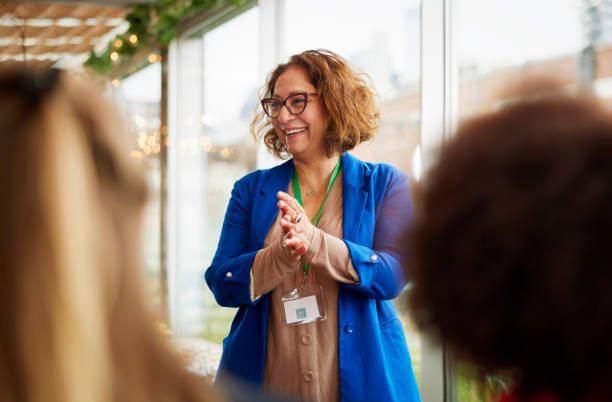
(61, 34)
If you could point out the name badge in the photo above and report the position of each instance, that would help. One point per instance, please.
(303, 305)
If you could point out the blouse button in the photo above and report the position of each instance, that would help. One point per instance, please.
(306, 339)
(308, 376)
(229, 275)
(374, 257)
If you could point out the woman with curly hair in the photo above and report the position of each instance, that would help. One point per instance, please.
(308, 250)
(510, 247)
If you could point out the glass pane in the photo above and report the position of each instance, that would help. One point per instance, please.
(518, 45)
(215, 150)
(385, 44)
(522, 38)
(230, 96)
(138, 97)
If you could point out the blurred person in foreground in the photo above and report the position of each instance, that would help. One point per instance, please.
(510, 251)
(309, 249)
(74, 324)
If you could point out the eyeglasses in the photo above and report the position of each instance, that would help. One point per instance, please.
(295, 104)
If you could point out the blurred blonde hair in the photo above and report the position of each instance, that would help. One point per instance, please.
(74, 323)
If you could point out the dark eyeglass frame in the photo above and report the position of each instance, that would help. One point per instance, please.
(284, 103)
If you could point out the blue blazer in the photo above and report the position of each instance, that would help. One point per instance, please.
(373, 359)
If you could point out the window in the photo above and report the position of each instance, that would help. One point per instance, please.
(497, 43)
(217, 81)
(138, 97)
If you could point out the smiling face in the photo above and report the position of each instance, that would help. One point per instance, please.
(303, 134)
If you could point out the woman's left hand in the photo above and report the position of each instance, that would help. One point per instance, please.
(297, 228)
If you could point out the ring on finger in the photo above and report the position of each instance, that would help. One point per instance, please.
(298, 218)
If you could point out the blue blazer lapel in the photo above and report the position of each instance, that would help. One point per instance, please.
(265, 209)
(354, 196)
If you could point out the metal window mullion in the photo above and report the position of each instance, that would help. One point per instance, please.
(437, 122)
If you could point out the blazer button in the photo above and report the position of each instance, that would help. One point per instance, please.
(306, 339)
(229, 275)
(374, 258)
(349, 328)
(308, 376)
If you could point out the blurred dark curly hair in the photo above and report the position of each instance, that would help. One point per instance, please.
(512, 244)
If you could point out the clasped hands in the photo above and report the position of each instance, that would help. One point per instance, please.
(297, 230)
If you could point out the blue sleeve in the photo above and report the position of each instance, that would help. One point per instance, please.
(228, 276)
(381, 273)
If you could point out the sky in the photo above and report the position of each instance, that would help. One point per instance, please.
(494, 33)
(144, 86)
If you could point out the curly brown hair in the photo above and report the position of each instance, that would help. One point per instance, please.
(347, 99)
(511, 259)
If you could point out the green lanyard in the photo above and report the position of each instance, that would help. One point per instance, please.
(298, 197)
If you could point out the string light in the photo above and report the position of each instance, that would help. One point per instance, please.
(226, 152)
(118, 43)
(114, 56)
(141, 141)
(209, 147)
(140, 121)
(150, 143)
(151, 140)
(133, 39)
(115, 82)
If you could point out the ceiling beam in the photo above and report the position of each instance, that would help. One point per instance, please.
(59, 22)
(40, 57)
(56, 41)
(108, 3)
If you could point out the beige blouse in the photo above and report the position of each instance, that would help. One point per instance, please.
(302, 360)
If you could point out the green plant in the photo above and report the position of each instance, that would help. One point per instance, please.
(151, 27)
(475, 385)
